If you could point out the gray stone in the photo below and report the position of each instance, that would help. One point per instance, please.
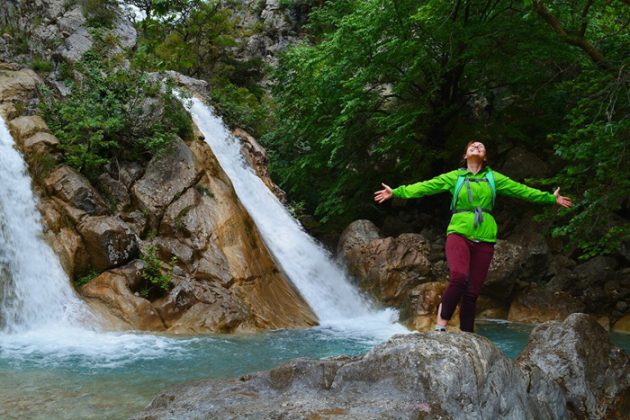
(426, 375)
(577, 354)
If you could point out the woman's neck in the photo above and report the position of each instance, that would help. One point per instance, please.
(474, 166)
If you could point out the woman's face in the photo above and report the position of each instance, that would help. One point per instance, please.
(476, 149)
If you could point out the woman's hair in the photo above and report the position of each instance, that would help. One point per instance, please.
(485, 160)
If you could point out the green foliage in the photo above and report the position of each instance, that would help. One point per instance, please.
(113, 113)
(198, 38)
(41, 65)
(595, 148)
(384, 93)
(80, 281)
(156, 280)
(99, 13)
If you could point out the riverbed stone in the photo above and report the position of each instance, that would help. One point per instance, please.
(622, 324)
(423, 375)
(577, 354)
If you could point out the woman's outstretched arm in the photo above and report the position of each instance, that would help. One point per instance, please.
(441, 183)
(510, 188)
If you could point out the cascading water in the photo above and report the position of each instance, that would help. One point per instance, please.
(321, 282)
(34, 290)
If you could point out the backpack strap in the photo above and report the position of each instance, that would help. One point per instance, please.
(458, 187)
(493, 187)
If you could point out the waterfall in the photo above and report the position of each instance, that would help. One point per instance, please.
(322, 283)
(34, 289)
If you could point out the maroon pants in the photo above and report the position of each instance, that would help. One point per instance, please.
(468, 263)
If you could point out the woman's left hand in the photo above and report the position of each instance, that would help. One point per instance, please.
(562, 200)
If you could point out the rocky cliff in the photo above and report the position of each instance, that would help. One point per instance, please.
(182, 205)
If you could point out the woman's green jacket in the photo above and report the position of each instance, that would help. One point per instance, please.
(463, 219)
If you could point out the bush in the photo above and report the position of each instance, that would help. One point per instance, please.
(113, 113)
(156, 282)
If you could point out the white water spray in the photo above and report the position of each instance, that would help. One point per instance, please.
(321, 282)
(34, 289)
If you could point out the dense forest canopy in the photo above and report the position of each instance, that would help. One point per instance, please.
(392, 90)
(386, 90)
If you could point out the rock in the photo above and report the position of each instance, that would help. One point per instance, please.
(520, 163)
(539, 304)
(40, 142)
(77, 44)
(389, 268)
(577, 354)
(489, 308)
(595, 271)
(504, 270)
(113, 292)
(24, 127)
(425, 375)
(16, 86)
(419, 313)
(200, 87)
(166, 177)
(198, 307)
(256, 156)
(355, 235)
(71, 187)
(108, 241)
(622, 324)
(115, 191)
(70, 248)
(125, 172)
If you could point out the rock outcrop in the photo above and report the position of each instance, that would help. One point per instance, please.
(426, 375)
(593, 374)
(182, 204)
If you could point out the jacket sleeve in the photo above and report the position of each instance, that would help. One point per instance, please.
(441, 183)
(510, 188)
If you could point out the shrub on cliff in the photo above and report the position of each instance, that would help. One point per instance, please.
(113, 113)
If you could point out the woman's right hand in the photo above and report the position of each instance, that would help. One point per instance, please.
(383, 195)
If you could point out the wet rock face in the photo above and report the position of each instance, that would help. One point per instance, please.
(577, 354)
(427, 375)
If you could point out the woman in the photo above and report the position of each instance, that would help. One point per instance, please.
(472, 232)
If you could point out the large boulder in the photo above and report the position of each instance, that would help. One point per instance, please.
(24, 127)
(167, 176)
(108, 241)
(505, 269)
(73, 188)
(113, 292)
(356, 234)
(540, 304)
(426, 375)
(577, 354)
(388, 268)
